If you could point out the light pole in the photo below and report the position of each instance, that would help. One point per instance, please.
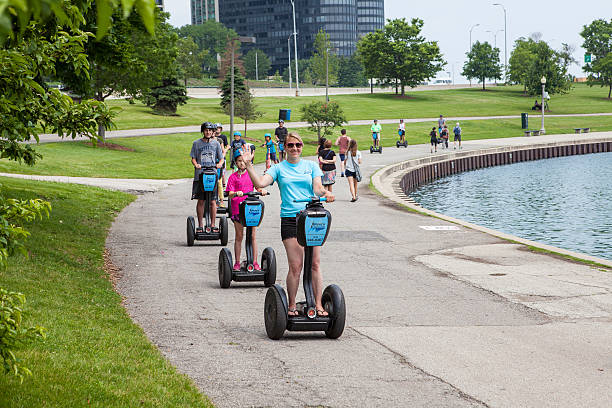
(494, 42)
(289, 49)
(326, 74)
(505, 42)
(543, 81)
(297, 75)
(233, 47)
(256, 67)
(474, 26)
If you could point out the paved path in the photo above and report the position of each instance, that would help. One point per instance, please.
(48, 138)
(418, 333)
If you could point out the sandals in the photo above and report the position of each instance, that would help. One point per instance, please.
(293, 312)
(215, 229)
(320, 312)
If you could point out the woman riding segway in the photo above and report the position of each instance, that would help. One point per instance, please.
(297, 180)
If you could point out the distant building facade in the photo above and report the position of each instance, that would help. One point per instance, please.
(160, 4)
(271, 23)
(204, 10)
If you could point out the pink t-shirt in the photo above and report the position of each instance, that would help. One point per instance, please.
(239, 182)
(343, 143)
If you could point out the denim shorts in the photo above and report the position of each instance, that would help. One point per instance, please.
(342, 156)
(349, 173)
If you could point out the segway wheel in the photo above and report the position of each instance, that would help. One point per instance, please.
(268, 264)
(380, 149)
(371, 149)
(225, 268)
(275, 315)
(190, 231)
(333, 302)
(397, 144)
(223, 230)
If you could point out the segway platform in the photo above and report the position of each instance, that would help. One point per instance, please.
(208, 182)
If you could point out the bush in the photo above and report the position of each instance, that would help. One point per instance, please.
(164, 99)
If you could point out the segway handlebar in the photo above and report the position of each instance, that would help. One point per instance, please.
(253, 194)
(314, 199)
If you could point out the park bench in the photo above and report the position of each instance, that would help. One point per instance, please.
(584, 130)
(532, 133)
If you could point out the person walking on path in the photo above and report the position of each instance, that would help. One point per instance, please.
(327, 159)
(342, 142)
(433, 139)
(441, 124)
(296, 179)
(376, 129)
(353, 172)
(205, 152)
(238, 184)
(281, 134)
(270, 150)
(445, 136)
(402, 131)
(457, 132)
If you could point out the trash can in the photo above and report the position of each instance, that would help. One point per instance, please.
(284, 114)
(524, 120)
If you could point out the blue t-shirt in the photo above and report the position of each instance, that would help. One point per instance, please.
(270, 146)
(294, 182)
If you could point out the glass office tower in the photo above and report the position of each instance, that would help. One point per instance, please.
(204, 10)
(271, 23)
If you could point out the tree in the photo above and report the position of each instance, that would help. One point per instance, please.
(37, 36)
(520, 61)
(210, 36)
(483, 62)
(244, 108)
(548, 63)
(240, 87)
(598, 42)
(399, 52)
(351, 72)
(263, 64)
(189, 59)
(323, 117)
(164, 99)
(323, 59)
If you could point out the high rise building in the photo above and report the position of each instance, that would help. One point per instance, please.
(271, 23)
(160, 4)
(204, 10)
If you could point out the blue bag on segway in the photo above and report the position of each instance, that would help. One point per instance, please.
(209, 179)
(251, 212)
(313, 226)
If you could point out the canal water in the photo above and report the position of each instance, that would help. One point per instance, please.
(565, 202)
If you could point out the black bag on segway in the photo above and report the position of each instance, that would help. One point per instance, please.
(251, 212)
(209, 179)
(313, 225)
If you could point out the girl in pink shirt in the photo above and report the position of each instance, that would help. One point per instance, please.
(238, 184)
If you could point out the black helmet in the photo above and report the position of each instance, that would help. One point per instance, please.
(206, 125)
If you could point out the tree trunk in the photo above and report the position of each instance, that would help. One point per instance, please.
(483, 84)
(610, 91)
(101, 132)
(396, 87)
(245, 126)
(371, 85)
(185, 82)
(403, 89)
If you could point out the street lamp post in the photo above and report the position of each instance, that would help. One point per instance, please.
(494, 42)
(256, 67)
(505, 42)
(233, 47)
(326, 74)
(289, 50)
(543, 81)
(297, 75)
(474, 26)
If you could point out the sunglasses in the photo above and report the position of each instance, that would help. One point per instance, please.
(297, 145)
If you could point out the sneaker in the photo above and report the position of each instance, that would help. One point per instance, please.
(256, 266)
(237, 266)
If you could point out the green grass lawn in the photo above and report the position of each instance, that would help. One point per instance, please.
(94, 355)
(167, 156)
(453, 102)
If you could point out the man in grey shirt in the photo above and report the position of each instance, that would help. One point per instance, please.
(205, 152)
(441, 123)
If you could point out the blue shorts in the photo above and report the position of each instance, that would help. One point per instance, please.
(342, 156)
(281, 146)
(374, 135)
(272, 156)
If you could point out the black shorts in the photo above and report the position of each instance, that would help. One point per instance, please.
(288, 227)
(349, 173)
(457, 137)
(433, 141)
(273, 157)
(197, 192)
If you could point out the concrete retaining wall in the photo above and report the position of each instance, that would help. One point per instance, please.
(422, 171)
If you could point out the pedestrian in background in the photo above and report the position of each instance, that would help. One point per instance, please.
(343, 143)
(433, 139)
(353, 172)
(457, 132)
(445, 136)
(281, 134)
(327, 160)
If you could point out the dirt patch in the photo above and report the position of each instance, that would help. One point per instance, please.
(113, 273)
(111, 146)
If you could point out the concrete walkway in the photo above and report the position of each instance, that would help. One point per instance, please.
(49, 138)
(422, 330)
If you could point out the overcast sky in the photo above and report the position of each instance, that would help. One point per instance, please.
(449, 22)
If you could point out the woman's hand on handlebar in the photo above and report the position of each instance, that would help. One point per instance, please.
(329, 197)
(263, 192)
(239, 193)
(198, 166)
